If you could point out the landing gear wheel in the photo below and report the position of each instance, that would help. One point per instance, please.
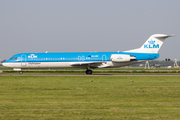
(20, 72)
(89, 72)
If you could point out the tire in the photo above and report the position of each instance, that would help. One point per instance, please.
(20, 72)
(89, 72)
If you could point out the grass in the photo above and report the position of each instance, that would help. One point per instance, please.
(89, 97)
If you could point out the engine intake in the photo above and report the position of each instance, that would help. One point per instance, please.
(122, 58)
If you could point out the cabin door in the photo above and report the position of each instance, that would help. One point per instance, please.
(104, 58)
(23, 60)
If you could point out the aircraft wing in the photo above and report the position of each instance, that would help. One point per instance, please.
(84, 63)
(90, 64)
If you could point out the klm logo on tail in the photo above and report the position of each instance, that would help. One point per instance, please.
(151, 44)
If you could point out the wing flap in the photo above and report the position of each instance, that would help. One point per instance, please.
(90, 64)
(84, 63)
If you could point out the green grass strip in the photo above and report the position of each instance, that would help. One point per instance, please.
(89, 97)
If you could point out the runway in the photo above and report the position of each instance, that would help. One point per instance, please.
(88, 75)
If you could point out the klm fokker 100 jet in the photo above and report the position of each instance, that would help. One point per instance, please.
(88, 60)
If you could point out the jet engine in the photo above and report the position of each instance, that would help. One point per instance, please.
(122, 58)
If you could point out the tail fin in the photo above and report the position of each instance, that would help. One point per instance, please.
(153, 44)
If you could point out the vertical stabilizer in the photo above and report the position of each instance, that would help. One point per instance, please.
(153, 44)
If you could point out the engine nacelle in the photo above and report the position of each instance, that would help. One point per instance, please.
(122, 58)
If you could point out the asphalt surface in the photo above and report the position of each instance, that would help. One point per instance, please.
(85, 75)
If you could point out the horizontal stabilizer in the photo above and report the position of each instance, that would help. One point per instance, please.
(163, 36)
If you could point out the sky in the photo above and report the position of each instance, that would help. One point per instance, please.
(87, 25)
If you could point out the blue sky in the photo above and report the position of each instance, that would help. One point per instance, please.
(87, 25)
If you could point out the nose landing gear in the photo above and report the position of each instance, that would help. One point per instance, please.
(88, 71)
(20, 72)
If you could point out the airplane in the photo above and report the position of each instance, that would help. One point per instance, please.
(88, 60)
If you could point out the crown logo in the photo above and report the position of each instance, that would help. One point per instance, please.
(151, 42)
(32, 56)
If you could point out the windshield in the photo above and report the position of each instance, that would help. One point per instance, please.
(13, 58)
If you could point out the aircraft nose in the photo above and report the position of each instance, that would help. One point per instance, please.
(3, 64)
(7, 64)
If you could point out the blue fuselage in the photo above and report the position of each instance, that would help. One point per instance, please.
(76, 57)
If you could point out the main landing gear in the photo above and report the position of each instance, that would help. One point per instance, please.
(88, 71)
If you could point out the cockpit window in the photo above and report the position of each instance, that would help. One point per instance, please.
(13, 58)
